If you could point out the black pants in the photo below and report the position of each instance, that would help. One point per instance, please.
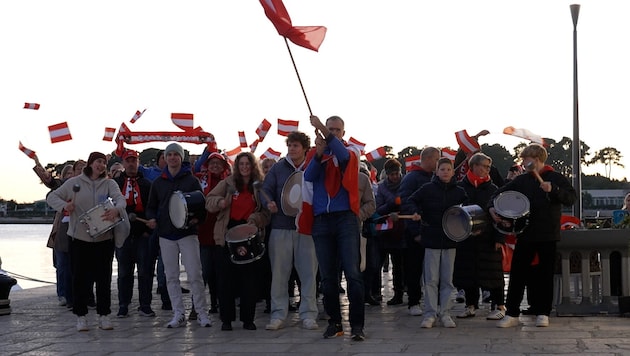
(413, 262)
(92, 259)
(240, 280)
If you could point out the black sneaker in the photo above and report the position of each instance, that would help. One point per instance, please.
(226, 326)
(357, 334)
(146, 311)
(333, 330)
(123, 312)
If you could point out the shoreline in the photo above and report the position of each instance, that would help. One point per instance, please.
(28, 220)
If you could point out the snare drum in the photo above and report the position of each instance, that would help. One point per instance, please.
(184, 206)
(96, 226)
(245, 244)
(514, 207)
(459, 222)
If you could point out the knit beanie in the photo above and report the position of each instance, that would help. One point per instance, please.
(174, 147)
(94, 156)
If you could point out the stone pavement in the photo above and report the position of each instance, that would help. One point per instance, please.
(38, 326)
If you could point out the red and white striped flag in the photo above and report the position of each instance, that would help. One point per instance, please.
(241, 139)
(354, 142)
(59, 132)
(254, 145)
(270, 153)
(467, 143)
(388, 224)
(449, 153)
(30, 153)
(32, 106)
(524, 133)
(285, 127)
(262, 129)
(109, 134)
(137, 115)
(310, 37)
(183, 121)
(376, 154)
(409, 161)
(231, 155)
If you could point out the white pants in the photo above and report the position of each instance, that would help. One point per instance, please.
(438, 281)
(188, 247)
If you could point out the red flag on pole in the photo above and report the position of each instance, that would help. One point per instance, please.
(241, 139)
(524, 133)
(270, 153)
(376, 154)
(137, 115)
(32, 106)
(285, 127)
(231, 155)
(262, 129)
(109, 134)
(30, 153)
(310, 37)
(183, 121)
(448, 153)
(59, 132)
(467, 143)
(354, 142)
(409, 161)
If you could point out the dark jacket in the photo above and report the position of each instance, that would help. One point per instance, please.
(431, 201)
(545, 208)
(162, 189)
(388, 201)
(137, 228)
(412, 181)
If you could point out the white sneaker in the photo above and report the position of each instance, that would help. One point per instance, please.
(82, 323)
(104, 323)
(427, 322)
(469, 312)
(177, 321)
(275, 324)
(448, 322)
(507, 322)
(496, 314)
(310, 324)
(542, 321)
(415, 310)
(204, 321)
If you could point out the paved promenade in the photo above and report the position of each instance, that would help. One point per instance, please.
(38, 326)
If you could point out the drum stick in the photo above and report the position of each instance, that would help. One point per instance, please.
(75, 189)
(396, 216)
(134, 217)
(258, 186)
(530, 167)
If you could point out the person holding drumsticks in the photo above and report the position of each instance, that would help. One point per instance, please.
(236, 202)
(547, 192)
(174, 241)
(91, 256)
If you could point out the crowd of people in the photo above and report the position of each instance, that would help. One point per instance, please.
(242, 239)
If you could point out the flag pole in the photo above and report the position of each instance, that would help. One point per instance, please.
(298, 76)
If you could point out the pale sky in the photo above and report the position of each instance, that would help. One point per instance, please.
(399, 72)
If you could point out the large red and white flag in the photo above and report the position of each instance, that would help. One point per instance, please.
(109, 134)
(137, 115)
(285, 127)
(30, 153)
(59, 132)
(271, 153)
(376, 154)
(358, 144)
(409, 161)
(466, 142)
(524, 133)
(449, 153)
(32, 106)
(231, 155)
(241, 139)
(310, 37)
(262, 129)
(183, 121)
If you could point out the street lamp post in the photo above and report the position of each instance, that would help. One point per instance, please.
(577, 172)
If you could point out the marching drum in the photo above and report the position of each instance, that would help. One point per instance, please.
(292, 194)
(184, 206)
(96, 226)
(459, 222)
(514, 207)
(245, 244)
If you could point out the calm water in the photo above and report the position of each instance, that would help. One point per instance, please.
(23, 251)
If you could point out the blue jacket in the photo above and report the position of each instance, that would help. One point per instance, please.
(273, 186)
(316, 173)
(411, 182)
(431, 201)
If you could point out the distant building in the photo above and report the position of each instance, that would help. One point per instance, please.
(606, 198)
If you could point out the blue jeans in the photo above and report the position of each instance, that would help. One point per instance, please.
(438, 281)
(64, 275)
(135, 251)
(337, 243)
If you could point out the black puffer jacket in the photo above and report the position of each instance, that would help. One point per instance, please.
(431, 201)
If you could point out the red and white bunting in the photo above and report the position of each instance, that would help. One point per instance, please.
(376, 154)
(183, 121)
(448, 153)
(524, 133)
(137, 115)
(30, 153)
(354, 142)
(231, 155)
(285, 127)
(241, 139)
(59, 132)
(270, 153)
(32, 106)
(409, 161)
(109, 134)
(467, 143)
(262, 129)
